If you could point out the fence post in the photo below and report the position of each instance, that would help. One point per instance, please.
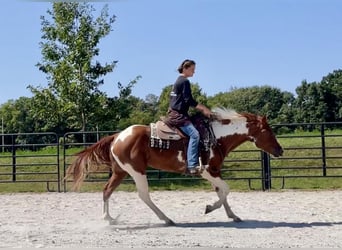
(14, 160)
(58, 164)
(266, 171)
(324, 162)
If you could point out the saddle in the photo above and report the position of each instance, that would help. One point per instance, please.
(162, 131)
(164, 136)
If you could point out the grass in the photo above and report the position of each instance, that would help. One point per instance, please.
(37, 171)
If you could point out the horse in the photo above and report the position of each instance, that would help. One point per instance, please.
(129, 152)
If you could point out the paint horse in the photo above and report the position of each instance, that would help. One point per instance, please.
(130, 153)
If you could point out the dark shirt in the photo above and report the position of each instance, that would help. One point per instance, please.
(181, 97)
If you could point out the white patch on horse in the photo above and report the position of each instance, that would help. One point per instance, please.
(212, 154)
(140, 180)
(180, 157)
(138, 177)
(125, 133)
(238, 124)
(234, 127)
(121, 138)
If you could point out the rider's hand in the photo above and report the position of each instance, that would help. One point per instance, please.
(215, 116)
(208, 113)
(205, 111)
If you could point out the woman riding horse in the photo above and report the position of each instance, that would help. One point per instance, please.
(180, 101)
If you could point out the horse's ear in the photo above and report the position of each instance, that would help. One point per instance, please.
(263, 120)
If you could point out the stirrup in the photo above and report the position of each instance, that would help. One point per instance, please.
(198, 170)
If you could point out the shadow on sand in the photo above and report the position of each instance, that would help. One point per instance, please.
(257, 224)
(246, 224)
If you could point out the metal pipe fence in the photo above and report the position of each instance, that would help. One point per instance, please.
(30, 157)
(44, 157)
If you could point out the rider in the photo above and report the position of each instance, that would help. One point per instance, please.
(180, 101)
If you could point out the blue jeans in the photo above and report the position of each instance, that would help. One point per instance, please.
(192, 153)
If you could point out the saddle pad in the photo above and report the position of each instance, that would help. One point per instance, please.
(161, 131)
(155, 140)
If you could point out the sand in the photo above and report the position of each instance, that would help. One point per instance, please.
(298, 219)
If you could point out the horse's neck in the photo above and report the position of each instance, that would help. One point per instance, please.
(229, 143)
(238, 126)
(231, 135)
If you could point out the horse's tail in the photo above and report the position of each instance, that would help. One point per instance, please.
(93, 158)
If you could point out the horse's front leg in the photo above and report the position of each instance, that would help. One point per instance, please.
(229, 211)
(222, 191)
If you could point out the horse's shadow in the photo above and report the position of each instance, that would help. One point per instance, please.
(246, 224)
(254, 224)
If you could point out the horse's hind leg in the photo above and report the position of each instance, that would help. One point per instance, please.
(142, 188)
(111, 185)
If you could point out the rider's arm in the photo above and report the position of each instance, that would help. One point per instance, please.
(207, 112)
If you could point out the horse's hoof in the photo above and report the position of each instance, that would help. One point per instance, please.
(237, 219)
(170, 223)
(208, 209)
(107, 217)
(113, 222)
(110, 219)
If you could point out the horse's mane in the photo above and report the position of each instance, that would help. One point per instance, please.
(231, 114)
(226, 113)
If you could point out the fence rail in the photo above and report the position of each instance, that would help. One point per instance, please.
(44, 157)
(30, 157)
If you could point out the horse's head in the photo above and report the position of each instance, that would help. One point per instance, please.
(262, 135)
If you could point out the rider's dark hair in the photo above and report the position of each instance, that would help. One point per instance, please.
(187, 63)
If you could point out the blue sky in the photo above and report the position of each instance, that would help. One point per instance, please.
(235, 43)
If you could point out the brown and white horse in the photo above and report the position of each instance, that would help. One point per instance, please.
(129, 152)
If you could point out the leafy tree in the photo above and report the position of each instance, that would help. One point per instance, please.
(320, 101)
(332, 87)
(144, 112)
(45, 103)
(262, 100)
(164, 100)
(286, 112)
(69, 47)
(150, 108)
(17, 116)
(117, 109)
(310, 104)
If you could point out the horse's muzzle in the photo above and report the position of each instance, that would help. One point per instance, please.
(278, 152)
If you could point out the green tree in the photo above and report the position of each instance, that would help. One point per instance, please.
(17, 116)
(310, 105)
(144, 112)
(332, 88)
(286, 112)
(164, 100)
(116, 111)
(320, 101)
(70, 45)
(264, 100)
(45, 103)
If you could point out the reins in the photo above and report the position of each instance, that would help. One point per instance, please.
(214, 142)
